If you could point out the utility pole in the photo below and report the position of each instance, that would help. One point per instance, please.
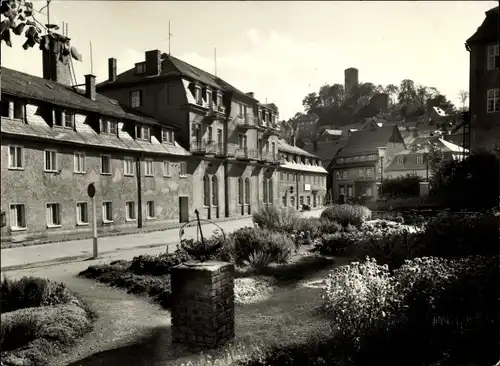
(215, 60)
(169, 37)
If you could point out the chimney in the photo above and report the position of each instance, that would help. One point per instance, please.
(153, 62)
(111, 69)
(53, 67)
(250, 94)
(90, 86)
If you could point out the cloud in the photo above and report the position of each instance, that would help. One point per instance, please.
(276, 67)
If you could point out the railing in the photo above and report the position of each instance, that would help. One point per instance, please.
(246, 153)
(232, 149)
(198, 146)
(245, 121)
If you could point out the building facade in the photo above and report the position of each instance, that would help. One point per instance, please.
(358, 168)
(57, 139)
(484, 81)
(302, 178)
(231, 135)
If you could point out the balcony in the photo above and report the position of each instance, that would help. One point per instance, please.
(231, 150)
(246, 154)
(245, 122)
(215, 113)
(199, 147)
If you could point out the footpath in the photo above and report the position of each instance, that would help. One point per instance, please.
(79, 250)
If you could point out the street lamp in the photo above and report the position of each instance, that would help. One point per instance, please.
(381, 155)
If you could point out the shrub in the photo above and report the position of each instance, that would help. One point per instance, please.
(249, 240)
(157, 265)
(405, 186)
(272, 218)
(18, 329)
(347, 214)
(225, 252)
(29, 292)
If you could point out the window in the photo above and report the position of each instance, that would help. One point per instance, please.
(270, 191)
(247, 191)
(166, 169)
(105, 164)
(309, 200)
(341, 190)
(17, 217)
(361, 173)
(369, 191)
(419, 160)
(69, 119)
(215, 191)
(140, 68)
(210, 134)
(136, 98)
(82, 213)
(240, 109)
(206, 190)
(182, 169)
(128, 167)
(197, 94)
(53, 215)
(264, 191)
(301, 200)
(150, 210)
(148, 168)
(369, 173)
(109, 126)
(5, 106)
(283, 201)
(493, 100)
(143, 133)
(400, 160)
(219, 137)
(282, 176)
(338, 176)
(219, 99)
(79, 162)
(274, 150)
(240, 191)
(292, 201)
(209, 97)
(349, 191)
(289, 177)
(19, 109)
(130, 214)
(107, 211)
(50, 161)
(167, 136)
(493, 54)
(15, 157)
(344, 175)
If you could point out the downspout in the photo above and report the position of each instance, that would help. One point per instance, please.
(139, 190)
(297, 190)
(226, 161)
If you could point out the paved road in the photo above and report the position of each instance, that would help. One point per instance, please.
(111, 247)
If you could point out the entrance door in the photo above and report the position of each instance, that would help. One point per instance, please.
(183, 209)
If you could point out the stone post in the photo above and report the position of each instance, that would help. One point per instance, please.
(424, 189)
(202, 304)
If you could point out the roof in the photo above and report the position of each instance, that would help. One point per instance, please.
(439, 111)
(182, 68)
(19, 84)
(488, 30)
(367, 141)
(328, 150)
(332, 132)
(312, 117)
(283, 146)
(303, 167)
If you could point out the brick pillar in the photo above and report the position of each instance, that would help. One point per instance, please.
(424, 189)
(203, 304)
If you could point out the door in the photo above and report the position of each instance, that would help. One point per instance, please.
(183, 209)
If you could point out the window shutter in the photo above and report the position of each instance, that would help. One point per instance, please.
(497, 62)
(48, 215)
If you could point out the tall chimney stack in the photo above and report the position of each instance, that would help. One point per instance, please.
(56, 67)
(153, 62)
(111, 69)
(90, 86)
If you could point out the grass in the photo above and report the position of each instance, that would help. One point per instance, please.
(40, 318)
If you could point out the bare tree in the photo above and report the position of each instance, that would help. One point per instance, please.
(464, 96)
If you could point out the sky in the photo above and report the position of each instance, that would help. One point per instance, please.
(281, 51)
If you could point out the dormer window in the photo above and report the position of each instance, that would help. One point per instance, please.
(167, 136)
(197, 94)
(419, 159)
(109, 126)
(219, 99)
(64, 118)
(140, 68)
(400, 160)
(69, 119)
(143, 133)
(209, 97)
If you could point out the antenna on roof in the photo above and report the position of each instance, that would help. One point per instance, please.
(215, 60)
(91, 60)
(170, 35)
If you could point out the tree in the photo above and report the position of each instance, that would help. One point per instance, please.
(407, 97)
(311, 102)
(464, 96)
(18, 15)
(392, 90)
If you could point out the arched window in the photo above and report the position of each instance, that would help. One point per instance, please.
(215, 191)
(247, 191)
(264, 191)
(270, 191)
(240, 190)
(206, 190)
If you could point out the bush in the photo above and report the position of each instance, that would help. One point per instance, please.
(308, 229)
(405, 186)
(347, 214)
(460, 235)
(157, 265)
(250, 240)
(29, 292)
(272, 218)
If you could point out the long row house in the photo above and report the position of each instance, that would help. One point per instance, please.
(158, 141)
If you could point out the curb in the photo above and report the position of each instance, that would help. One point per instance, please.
(73, 259)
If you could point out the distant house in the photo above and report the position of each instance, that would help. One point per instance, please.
(414, 160)
(305, 127)
(356, 169)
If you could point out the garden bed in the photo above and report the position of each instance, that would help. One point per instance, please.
(40, 319)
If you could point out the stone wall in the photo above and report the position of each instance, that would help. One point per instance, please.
(203, 304)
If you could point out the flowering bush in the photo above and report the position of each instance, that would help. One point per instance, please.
(346, 214)
(359, 296)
